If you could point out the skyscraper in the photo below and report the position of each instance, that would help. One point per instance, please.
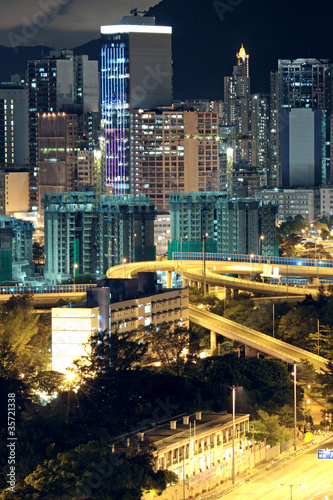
(300, 140)
(14, 141)
(136, 73)
(59, 82)
(174, 150)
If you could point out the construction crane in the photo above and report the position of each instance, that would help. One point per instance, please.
(230, 158)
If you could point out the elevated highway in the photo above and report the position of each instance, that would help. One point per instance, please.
(217, 271)
(252, 338)
(192, 272)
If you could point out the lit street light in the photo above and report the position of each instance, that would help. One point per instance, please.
(124, 262)
(295, 416)
(204, 237)
(233, 432)
(251, 260)
(291, 487)
(75, 266)
(261, 238)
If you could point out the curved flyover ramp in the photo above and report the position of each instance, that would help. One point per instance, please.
(252, 338)
(216, 275)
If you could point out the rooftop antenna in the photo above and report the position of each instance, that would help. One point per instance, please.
(135, 12)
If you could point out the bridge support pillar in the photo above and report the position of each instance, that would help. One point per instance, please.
(212, 341)
(185, 283)
(247, 277)
(314, 280)
(251, 352)
(169, 279)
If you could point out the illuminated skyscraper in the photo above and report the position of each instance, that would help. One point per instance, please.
(136, 73)
(304, 105)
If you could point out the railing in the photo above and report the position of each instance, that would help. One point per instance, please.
(256, 259)
(38, 289)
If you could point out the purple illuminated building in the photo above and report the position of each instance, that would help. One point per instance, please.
(136, 73)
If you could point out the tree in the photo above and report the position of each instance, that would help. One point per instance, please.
(268, 427)
(325, 379)
(20, 349)
(169, 345)
(92, 472)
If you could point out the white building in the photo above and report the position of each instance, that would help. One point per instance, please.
(72, 328)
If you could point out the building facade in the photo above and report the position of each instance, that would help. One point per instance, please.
(235, 225)
(60, 82)
(14, 137)
(301, 84)
(174, 151)
(303, 147)
(15, 249)
(136, 73)
(72, 328)
(95, 233)
(292, 202)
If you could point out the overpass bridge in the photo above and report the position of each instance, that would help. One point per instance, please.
(192, 272)
(254, 339)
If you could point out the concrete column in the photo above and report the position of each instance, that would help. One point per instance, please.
(185, 283)
(169, 279)
(247, 277)
(212, 340)
(314, 280)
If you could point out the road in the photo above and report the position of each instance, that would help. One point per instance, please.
(253, 338)
(306, 469)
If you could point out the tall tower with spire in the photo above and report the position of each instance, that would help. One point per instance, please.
(243, 62)
(237, 103)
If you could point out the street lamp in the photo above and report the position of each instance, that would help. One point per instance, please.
(233, 432)
(261, 238)
(75, 266)
(295, 416)
(204, 237)
(251, 260)
(124, 262)
(291, 487)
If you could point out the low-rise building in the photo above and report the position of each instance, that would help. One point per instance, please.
(292, 202)
(197, 448)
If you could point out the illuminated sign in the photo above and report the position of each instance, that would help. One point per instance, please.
(325, 454)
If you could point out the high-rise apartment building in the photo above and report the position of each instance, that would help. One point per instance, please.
(305, 83)
(237, 105)
(95, 233)
(303, 147)
(234, 225)
(57, 136)
(302, 84)
(174, 151)
(14, 138)
(136, 73)
(60, 82)
(244, 125)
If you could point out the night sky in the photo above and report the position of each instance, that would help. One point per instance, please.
(66, 22)
(206, 34)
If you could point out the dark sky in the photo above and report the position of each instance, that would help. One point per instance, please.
(65, 23)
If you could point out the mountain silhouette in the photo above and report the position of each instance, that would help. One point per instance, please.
(208, 33)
